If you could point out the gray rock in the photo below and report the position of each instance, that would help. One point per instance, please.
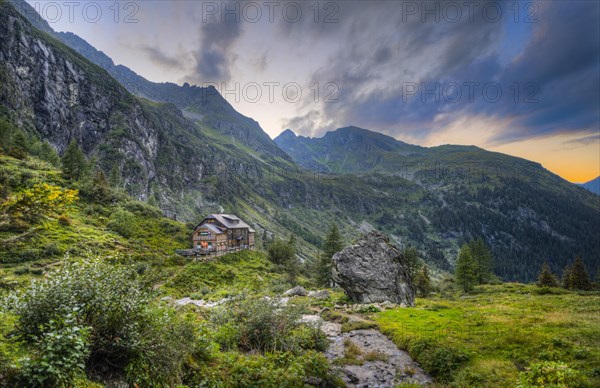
(296, 291)
(373, 271)
(323, 294)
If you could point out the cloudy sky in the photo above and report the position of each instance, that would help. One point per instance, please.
(521, 78)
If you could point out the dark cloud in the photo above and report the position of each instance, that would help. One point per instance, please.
(557, 74)
(562, 61)
(374, 66)
(218, 33)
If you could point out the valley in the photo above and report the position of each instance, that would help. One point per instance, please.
(493, 261)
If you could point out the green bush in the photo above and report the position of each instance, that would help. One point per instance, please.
(270, 370)
(439, 360)
(123, 222)
(126, 330)
(60, 354)
(261, 325)
(549, 374)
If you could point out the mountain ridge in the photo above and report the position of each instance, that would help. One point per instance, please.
(593, 185)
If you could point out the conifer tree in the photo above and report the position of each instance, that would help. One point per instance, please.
(580, 279)
(567, 278)
(333, 244)
(114, 176)
(411, 258)
(547, 278)
(19, 142)
(466, 269)
(74, 165)
(483, 258)
(423, 282)
(48, 154)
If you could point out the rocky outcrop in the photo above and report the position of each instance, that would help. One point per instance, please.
(372, 271)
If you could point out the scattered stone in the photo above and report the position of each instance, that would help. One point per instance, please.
(373, 271)
(200, 303)
(330, 329)
(323, 294)
(296, 291)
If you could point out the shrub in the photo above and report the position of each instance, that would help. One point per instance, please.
(439, 360)
(260, 324)
(52, 250)
(38, 202)
(123, 222)
(60, 354)
(126, 331)
(310, 338)
(37, 271)
(21, 271)
(275, 369)
(549, 374)
(64, 220)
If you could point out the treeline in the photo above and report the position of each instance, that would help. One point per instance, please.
(575, 276)
(16, 143)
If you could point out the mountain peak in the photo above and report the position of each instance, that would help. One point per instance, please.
(287, 132)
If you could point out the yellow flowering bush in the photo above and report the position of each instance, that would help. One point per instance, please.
(38, 202)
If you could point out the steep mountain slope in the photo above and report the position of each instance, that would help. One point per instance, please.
(204, 104)
(593, 185)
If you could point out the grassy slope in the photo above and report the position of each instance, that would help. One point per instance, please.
(150, 243)
(151, 234)
(503, 329)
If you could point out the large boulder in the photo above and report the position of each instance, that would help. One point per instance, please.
(374, 271)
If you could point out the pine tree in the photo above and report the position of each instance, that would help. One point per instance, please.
(20, 142)
(483, 257)
(100, 187)
(283, 254)
(411, 258)
(466, 269)
(333, 244)
(567, 278)
(74, 165)
(580, 279)
(423, 282)
(547, 278)
(114, 177)
(48, 154)
(19, 146)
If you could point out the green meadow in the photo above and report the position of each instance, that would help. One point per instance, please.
(502, 335)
